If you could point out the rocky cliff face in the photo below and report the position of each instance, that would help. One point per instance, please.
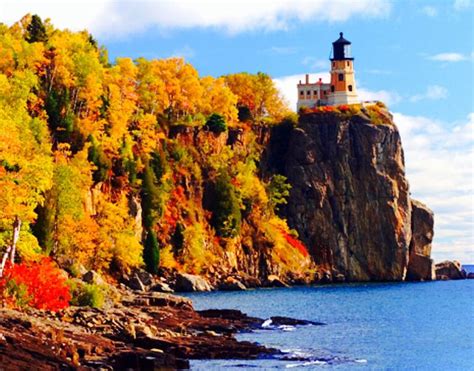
(350, 199)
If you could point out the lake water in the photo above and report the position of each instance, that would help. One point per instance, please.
(398, 326)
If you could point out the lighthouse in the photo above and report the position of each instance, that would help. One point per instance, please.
(340, 90)
(343, 87)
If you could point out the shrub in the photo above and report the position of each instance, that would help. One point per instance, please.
(36, 284)
(87, 294)
(216, 123)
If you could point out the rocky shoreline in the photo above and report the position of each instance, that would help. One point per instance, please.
(143, 331)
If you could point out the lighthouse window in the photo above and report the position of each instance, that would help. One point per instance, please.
(315, 92)
(350, 87)
(347, 63)
(332, 88)
(341, 77)
(302, 93)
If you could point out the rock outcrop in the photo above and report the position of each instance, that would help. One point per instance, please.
(450, 270)
(421, 267)
(350, 199)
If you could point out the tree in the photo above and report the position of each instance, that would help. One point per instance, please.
(218, 98)
(278, 190)
(36, 32)
(151, 253)
(259, 94)
(226, 215)
(216, 123)
(25, 162)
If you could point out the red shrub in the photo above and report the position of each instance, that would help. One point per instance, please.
(297, 244)
(40, 285)
(344, 108)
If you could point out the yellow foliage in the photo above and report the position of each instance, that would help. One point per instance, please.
(218, 98)
(197, 252)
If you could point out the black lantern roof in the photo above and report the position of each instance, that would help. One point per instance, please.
(341, 40)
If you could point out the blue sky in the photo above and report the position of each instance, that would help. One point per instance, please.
(415, 55)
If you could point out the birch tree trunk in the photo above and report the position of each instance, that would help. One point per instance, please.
(11, 249)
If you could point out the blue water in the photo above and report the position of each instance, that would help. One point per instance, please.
(397, 326)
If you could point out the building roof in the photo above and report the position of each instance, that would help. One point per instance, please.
(341, 40)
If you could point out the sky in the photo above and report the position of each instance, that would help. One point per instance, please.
(416, 56)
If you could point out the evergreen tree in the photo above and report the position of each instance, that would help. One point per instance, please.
(151, 253)
(216, 123)
(36, 30)
(226, 215)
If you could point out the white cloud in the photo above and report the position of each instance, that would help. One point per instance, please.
(439, 161)
(448, 57)
(185, 52)
(388, 97)
(462, 4)
(430, 11)
(433, 92)
(282, 50)
(315, 63)
(115, 17)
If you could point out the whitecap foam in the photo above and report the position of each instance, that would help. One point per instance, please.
(287, 328)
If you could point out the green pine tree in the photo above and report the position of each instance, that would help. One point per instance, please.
(151, 253)
(36, 32)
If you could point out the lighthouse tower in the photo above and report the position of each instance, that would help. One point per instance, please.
(343, 88)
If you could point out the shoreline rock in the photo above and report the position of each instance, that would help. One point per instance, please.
(450, 270)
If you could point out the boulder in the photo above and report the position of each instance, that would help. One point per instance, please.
(145, 277)
(232, 284)
(275, 281)
(470, 275)
(135, 283)
(326, 278)
(189, 283)
(420, 268)
(161, 287)
(94, 278)
(450, 270)
(339, 278)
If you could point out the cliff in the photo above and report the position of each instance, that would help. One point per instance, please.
(350, 200)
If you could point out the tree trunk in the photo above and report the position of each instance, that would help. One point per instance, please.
(16, 236)
(11, 249)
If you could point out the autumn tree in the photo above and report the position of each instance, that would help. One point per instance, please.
(259, 95)
(218, 98)
(25, 162)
